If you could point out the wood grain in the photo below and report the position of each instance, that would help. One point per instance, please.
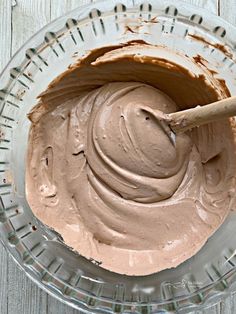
(56, 307)
(5, 53)
(227, 10)
(3, 280)
(210, 5)
(184, 120)
(65, 6)
(28, 16)
(24, 296)
(5, 32)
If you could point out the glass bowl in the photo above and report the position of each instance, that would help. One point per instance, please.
(207, 281)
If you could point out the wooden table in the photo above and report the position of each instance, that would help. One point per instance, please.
(19, 19)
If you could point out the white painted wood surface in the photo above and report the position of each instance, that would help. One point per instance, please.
(19, 19)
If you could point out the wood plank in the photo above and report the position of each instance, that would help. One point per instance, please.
(57, 307)
(3, 280)
(5, 53)
(227, 10)
(5, 32)
(23, 294)
(210, 5)
(65, 6)
(28, 16)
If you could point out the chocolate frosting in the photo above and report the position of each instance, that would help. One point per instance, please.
(104, 172)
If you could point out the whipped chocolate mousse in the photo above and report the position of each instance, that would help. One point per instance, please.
(104, 173)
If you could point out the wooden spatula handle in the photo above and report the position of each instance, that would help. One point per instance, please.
(182, 121)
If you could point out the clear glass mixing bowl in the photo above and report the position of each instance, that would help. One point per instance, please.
(206, 280)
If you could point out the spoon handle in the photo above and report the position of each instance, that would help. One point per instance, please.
(184, 120)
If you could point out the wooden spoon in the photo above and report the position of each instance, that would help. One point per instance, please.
(184, 120)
